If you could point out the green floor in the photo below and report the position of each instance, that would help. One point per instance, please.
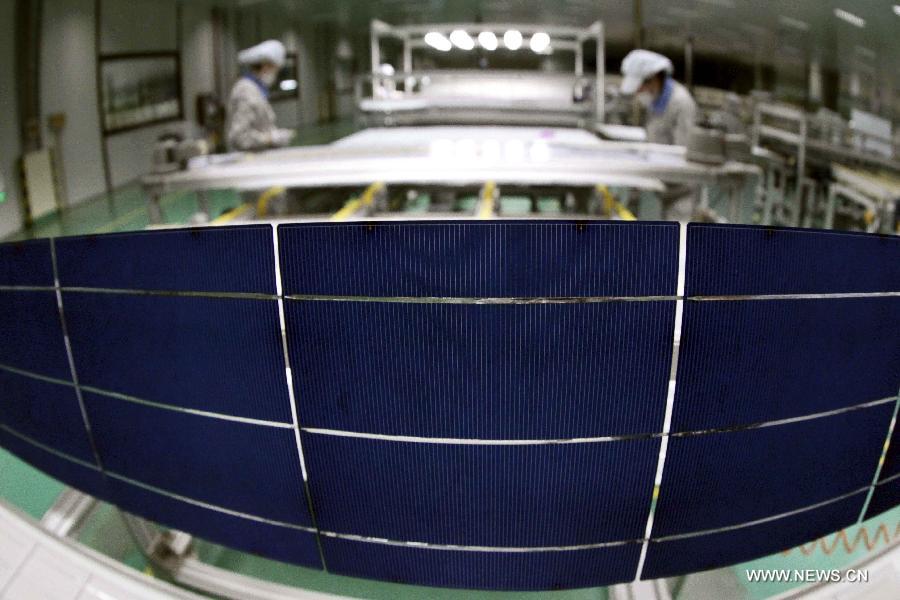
(34, 492)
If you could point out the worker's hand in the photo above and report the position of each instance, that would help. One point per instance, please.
(282, 137)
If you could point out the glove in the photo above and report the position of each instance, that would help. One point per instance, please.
(282, 137)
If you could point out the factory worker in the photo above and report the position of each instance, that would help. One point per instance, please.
(670, 107)
(251, 119)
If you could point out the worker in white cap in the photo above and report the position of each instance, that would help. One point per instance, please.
(251, 119)
(670, 107)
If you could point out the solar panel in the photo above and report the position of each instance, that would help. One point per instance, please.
(457, 368)
(482, 371)
(220, 355)
(780, 470)
(756, 360)
(221, 260)
(224, 463)
(477, 404)
(479, 259)
(45, 412)
(27, 263)
(482, 570)
(744, 362)
(751, 260)
(710, 551)
(475, 495)
(32, 334)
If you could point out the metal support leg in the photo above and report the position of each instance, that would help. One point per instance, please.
(154, 209)
(829, 208)
(768, 197)
(203, 203)
(68, 512)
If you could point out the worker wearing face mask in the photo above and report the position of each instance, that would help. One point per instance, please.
(251, 119)
(670, 107)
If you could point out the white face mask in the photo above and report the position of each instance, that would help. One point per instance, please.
(645, 99)
(269, 77)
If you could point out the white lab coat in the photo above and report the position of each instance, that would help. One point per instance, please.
(674, 124)
(251, 119)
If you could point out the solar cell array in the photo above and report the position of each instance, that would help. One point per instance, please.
(464, 404)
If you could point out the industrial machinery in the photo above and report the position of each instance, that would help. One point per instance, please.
(415, 96)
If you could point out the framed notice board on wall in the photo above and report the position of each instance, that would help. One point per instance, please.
(139, 89)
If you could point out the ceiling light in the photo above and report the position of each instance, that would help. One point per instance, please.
(462, 40)
(540, 41)
(849, 17)
(288, 85)
(897, 9)
(438, 41)
(487, 40)
(793, 23)
(512, 39)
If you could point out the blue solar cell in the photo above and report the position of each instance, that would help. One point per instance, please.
(723, 479)
(477, 371)
(272, 541)
(32, 334)
(534, 495)
(740, 259)
(26, 263)
(752, 361)
(88, 480)
(212, 354)
(227, 259)
(46, 412)
(469, 259)
(247, 468)
(679, 556)
(482, 570)
(885, 497)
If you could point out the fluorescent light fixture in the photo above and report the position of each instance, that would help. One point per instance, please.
(512, 39)
(487, 40)
(793, 23)
(288, 85)
(540, 42)
(897, 9)
(438, 41)
(719, 3)
(461, 39)
(849, 17)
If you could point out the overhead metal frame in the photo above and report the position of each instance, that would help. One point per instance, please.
(564, 38)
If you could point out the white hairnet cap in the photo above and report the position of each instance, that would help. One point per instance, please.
(270, 51)
(639, 65)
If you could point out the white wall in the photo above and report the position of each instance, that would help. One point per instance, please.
(10, 211)
(197, 64)
(68, 85)
(138, 25)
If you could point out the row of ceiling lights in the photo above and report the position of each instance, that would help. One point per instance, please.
(512, 40)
